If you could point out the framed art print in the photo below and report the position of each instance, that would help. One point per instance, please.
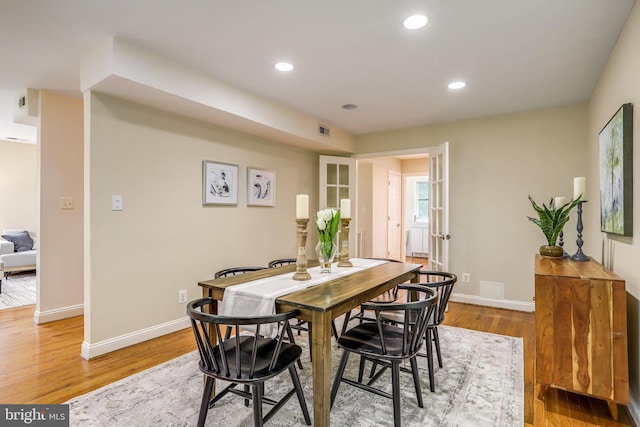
(615, 143)
(261, 187)
(219, 183)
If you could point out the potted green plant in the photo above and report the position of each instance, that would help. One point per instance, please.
(551, 220)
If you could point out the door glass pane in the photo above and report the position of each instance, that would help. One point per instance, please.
(422, 201)
(344, 174)
(332, 197)
(344, 193)
(332, 174)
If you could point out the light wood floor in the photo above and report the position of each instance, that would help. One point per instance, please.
(41, 364)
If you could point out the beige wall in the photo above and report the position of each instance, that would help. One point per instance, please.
(60, 275)
(416, 166)
(619, 84)
(18, 186)
(495, 163)
(164, 240)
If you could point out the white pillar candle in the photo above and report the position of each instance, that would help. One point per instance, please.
(345, 208)
(559, 201)
(579, 184)
(302, 206)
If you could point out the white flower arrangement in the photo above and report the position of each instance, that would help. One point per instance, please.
(328, 223)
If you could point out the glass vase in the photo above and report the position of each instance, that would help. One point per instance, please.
(326, 252)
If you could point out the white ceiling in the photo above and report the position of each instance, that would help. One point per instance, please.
(515, 55)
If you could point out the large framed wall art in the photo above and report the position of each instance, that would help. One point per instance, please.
(615, 142)
(219, 183)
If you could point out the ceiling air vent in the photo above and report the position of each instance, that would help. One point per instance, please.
(324, 130)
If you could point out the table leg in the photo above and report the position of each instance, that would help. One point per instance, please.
(321, 367)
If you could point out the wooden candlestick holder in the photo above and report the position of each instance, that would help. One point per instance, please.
(344, 247)
(301, 261)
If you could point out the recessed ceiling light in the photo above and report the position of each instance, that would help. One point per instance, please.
(349, 106)
(284, 66)
(457, 85)
(415, 21)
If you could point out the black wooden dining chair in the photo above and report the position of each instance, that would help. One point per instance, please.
(442, 283)
(388, 345)
(234, 271)
(246, 358)
(388, 296)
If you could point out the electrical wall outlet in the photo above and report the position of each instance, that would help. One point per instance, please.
(66, 202)
(466, 277)
(182, 296)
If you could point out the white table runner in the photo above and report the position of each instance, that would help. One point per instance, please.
(257, 297)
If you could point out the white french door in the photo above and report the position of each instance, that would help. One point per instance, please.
(394, 206)
(439, 208)
(337, 182)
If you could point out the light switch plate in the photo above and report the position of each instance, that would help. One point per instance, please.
(116, 203)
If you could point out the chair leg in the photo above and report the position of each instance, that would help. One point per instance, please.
(310, 330)
(429, 344)
(416, 380)
(395, 391)
(292, 341)
(300, 394)
(256, 392)
(246, 389)
(361, 368)
(206, 398)
(339, 373)
(374, 366)
(436, 338)
(347, 316)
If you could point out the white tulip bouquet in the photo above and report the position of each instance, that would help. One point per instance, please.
(328, 223)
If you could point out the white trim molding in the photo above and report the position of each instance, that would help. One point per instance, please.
(498, 303)
(47, 316)
(91, 350)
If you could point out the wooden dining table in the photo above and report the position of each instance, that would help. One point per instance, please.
(319, 305)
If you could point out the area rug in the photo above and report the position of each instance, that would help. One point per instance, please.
(18, 290)
(481, 384)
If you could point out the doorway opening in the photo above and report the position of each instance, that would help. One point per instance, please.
(386, 222)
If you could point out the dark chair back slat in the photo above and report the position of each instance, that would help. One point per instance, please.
(233, 271)
(282, 261)
(443, 283)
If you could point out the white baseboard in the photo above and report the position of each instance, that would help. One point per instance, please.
(499, 303)
(40, 317)
(96, 349)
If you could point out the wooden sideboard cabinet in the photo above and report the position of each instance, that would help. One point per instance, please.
(581, 330)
